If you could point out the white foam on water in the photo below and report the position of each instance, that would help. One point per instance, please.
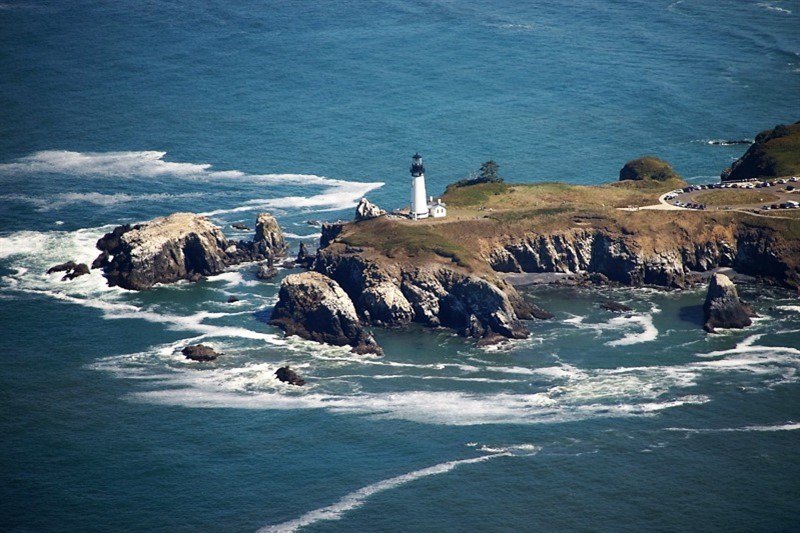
(111, 165)
(648, 332)
(62, 200)
(312, 236)
(772, 7)
(412, 377)
(789, 426)
(339, 194)
(749, 346)
(342, 195)
(357, 498)
(644, 330)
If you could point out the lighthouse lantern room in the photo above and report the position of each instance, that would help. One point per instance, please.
(419, 199)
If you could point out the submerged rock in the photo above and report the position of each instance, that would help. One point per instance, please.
(200, 352)
(315, 307)
(723, 308)
(287, 375)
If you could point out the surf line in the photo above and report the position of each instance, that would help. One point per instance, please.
(357, 498)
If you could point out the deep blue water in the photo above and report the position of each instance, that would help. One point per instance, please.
(115, 112)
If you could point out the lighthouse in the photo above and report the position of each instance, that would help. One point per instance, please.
(419, 199)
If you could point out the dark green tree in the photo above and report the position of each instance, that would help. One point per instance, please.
(489, 172)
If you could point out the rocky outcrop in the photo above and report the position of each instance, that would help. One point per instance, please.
(71, 270)
(723, 308)
(200, 352)
(315, 307)
(269, 237)
(182, 246)
(366, 210)
(329, 233)
(647, 168)
(266, 271)
(636, 260)
(304, 259)
(287, 375)
(387, 293)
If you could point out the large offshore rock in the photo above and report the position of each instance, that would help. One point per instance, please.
(723, 308)
(165, 250)
(182, 246)
(315, 307)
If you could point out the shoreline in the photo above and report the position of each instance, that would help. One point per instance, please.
(528, 279)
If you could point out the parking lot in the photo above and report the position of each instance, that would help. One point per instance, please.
(759, 195)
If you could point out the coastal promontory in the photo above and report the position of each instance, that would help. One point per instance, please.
(775, 153)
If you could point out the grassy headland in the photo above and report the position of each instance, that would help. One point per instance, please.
(485, 216)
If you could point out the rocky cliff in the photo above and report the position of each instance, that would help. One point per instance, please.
(396, 293)
(182, 246)
(668, 259)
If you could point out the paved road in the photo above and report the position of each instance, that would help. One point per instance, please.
(752, 209)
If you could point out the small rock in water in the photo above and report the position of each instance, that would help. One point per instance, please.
(72, 269)
(200, 352)
(266, 271)
(287, 375)
(615, 307)
(232, 299)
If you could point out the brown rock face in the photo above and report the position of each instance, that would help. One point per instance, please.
(723, 308)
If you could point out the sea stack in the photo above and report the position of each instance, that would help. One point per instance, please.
(165, 250)
(316, 308)
(723, 308)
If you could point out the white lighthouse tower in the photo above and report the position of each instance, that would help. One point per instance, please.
(419, 199)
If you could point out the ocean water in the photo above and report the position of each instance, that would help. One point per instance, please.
(119, 112)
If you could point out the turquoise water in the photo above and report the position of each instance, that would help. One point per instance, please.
(117, 112)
